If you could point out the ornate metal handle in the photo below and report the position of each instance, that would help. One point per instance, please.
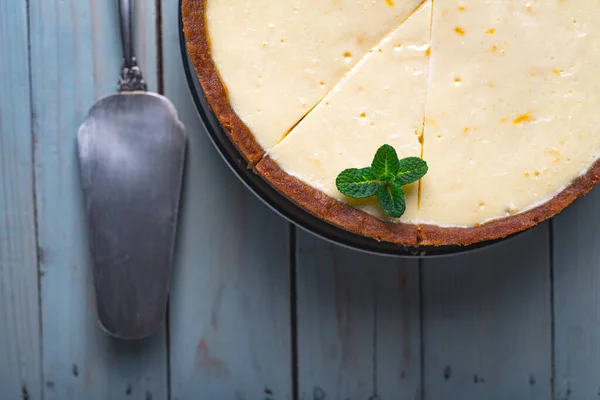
(131, 73)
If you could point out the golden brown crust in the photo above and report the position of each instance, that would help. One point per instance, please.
(334, 211)
(437, 236)
(326, 207)
(198, 45)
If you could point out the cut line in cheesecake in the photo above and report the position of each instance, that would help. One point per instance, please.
(297, 123)
(422, 137)
(356, 66)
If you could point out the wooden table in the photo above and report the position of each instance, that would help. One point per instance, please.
(259, 309)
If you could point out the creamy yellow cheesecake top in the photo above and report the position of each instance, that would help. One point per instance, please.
(512, 106)
(279, 58)
(499, 97)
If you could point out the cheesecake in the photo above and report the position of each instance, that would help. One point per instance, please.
(498, 98)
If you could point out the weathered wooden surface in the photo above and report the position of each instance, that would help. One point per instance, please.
(75, 51)
(358, 324)
(20, 361)
(494, 325)
(487, 322)
(230, 308)
(577, 300)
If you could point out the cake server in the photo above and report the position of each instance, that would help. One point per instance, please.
(131, 150)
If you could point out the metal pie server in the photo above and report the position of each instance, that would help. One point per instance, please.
(131, 150)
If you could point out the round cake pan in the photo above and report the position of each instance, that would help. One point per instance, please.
(281, 204)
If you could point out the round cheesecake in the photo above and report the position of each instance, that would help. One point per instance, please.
(498, 97)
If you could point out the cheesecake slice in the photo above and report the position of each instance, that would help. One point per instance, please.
(277, 59)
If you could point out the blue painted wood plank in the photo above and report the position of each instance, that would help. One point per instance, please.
(230, 308)
(577, 300)
(487, 322)
(20, 351)
(358, 324)
(75, 53)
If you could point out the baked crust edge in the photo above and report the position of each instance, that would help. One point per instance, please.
(198, 45)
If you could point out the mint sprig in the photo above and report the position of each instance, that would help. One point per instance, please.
(384, 178)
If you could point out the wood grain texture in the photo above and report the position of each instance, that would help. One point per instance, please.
(577, 300)
(358, 324)
(20, 368)
(75, 49)
(230, 308)
(487, 322)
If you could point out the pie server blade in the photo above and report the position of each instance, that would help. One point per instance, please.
(131, 150)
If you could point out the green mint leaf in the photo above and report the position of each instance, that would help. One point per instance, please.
(384, 178)
(385, 165)
(357, 183)
(391, 199)
(411, 170)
